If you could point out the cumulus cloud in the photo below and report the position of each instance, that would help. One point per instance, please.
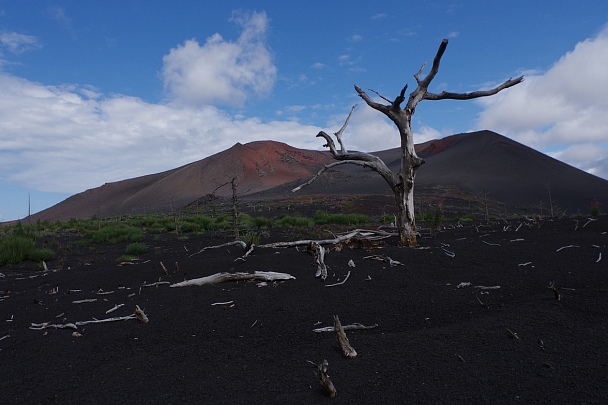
(565, 105)
(221, 71)
(69, 138)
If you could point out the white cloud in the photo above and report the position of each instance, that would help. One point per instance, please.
(564, 106)
(18, 43)
(221, 71)
(59, 139)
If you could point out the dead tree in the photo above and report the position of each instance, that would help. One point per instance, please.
(401, 182)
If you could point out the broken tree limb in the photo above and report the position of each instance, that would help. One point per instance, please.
(354, 326)
(385, 258)
(343, 342)
(236, 242)
(318, 253)
(138, 314)
(225, 276)
(341, 282)
(324, 379)
(364, 234)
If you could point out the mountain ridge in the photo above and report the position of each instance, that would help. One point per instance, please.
(478, 163)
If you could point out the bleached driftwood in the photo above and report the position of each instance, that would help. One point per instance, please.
(324, 379)
(567, 247)
(239, 276)
(343, 342)
(141, 316)
(366, 234)
(138, 314)
(84, 301)
(115, 308)
(318, 253)
(353, 326)
(156, 284)
(385, 258)
(233, 243)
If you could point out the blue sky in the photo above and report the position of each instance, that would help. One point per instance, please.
(100, 91)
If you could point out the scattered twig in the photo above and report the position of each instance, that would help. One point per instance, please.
(222, 303)
(589, 221)
(556, 293)
(115, 308)
(481, 303)
(5, 337)
(343, 342)
(447, 252)
(567, 247)
(341, 282)
(164, 269)
(483, 287)
(524, 264)
(253, 324)
(385, 258)
(491, 244)
(156, 284)
(513, 334)
(599, 257)
(84, 301)
(236, 242)
(354, 326)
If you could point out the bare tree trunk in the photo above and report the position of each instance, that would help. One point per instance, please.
(406, 223)
(402, 182)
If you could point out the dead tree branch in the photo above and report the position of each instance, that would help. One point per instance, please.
(343, 342)
(221, 277)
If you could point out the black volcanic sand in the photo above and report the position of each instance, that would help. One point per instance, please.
(435, 342)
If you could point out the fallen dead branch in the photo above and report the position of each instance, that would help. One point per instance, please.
(324, 378)
(567, 247)
(343, 342)
(366, 234)
(222, 303)
(483, 287)
(556, 293)
(115, 308)
(5, 337)
(341, 282)
(84, 301)
(224, 276)
(513, 334)
(385, 258)
(318, 253)
(138, 314)
(156, 284)
(141, 316)
(354, 326)
(233, 243)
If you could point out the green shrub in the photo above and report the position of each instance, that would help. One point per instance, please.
(116, 233)
(295, 220)
(136, 249)
(18, 248)
(323, 218)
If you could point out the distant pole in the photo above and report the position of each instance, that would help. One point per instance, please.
(29, 207)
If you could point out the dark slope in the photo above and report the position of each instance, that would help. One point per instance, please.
(468, 165)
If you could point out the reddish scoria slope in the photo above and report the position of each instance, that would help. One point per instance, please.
(257, 166)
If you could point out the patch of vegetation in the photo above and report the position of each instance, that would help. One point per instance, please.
(19, 248)
(136, 249)
(114, 233)
(323, 218)
(596, 208)
(294, 220)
